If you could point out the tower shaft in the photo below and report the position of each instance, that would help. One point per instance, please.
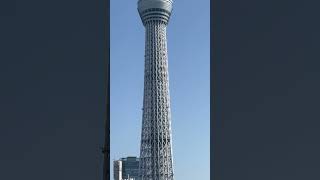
(156, 146)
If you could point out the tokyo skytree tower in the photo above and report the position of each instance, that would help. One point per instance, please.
(155, 150)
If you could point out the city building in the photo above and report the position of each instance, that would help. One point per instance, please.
(156, 143)
(126, 168)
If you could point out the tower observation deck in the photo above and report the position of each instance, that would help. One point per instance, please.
(156, 144)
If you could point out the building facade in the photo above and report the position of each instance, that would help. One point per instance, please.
(156, 143)
(117, 170)
(126, 168)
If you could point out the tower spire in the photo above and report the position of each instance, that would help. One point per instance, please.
(156, 145)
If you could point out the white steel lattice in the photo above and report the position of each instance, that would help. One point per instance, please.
(156, 146)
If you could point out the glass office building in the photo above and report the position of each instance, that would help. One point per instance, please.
(126, 168)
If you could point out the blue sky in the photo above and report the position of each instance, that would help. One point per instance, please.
(189, 59)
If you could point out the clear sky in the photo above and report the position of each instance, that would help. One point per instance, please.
(189, 58)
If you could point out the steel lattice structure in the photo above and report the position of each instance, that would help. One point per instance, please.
(155, 151)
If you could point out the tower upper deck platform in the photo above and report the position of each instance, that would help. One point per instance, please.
(155, 10)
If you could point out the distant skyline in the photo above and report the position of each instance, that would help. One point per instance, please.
(189, 60)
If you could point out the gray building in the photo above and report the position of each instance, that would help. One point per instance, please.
(126, 168)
